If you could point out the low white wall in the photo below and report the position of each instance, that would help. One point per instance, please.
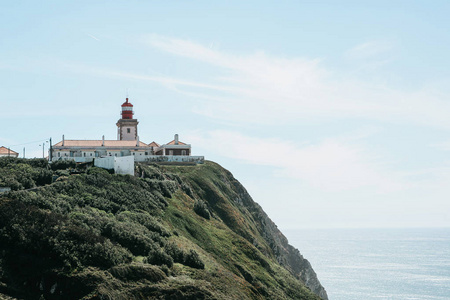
(142, 158)
(76, 159)
(121, 165)
(105, 162)
(81, 159)
(124, 165)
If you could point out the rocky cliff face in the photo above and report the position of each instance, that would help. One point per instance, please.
(285, 254)
(290, 257)
(170, 232)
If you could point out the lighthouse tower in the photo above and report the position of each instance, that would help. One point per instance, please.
(127, 126)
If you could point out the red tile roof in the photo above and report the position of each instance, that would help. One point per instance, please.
(98, 143)
(153, 144)
(173, 143)
(4, 150)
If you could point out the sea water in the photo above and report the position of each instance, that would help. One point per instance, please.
(378, 263)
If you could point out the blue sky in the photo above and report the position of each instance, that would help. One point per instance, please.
(332, 115)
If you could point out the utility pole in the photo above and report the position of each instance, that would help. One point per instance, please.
(43, 145)
(23, 152)
(50, 155)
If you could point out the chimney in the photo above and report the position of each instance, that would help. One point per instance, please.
(137, 141)
(63, 140)
(103, 141)
(176, 139)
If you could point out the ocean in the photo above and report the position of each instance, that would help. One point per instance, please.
(378, 263)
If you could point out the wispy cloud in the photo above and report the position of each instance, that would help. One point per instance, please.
(369, 49)
(263, 88)
(93, 37)
(332, 164)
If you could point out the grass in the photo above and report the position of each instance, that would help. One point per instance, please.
(90, 233)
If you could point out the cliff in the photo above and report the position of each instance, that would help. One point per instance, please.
(170, 232)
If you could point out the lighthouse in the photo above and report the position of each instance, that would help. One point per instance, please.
(127, 126)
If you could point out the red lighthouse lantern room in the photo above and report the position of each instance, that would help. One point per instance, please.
(127, 110)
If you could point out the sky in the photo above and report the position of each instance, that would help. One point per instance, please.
(332, 115)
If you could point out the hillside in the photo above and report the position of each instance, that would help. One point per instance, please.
(170, 232)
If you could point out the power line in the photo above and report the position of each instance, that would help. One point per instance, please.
(38, 141)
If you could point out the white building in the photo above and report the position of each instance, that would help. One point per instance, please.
(98, 148)
(127, 144)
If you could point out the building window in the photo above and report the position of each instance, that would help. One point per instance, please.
(59, 154)
(183, 152)
(133, 153)
(91, 154)
(128, 130)
(146, 153)
(170, 152)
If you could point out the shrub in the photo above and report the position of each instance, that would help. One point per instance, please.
(62, 173)
(136, 272)
(175, 252)
(95, 170)
(43, 176)
(19, 174)
(165, 269)
(187, 190)
(192, 259)
(51, 236)
(201, 209)
(133, 236)
(167, 187)
(159, 257)
(144, 218)
(63, 164)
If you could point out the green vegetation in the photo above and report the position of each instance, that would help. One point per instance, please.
(172, 232)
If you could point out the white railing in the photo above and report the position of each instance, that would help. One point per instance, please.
(144, 158)
(171, 159)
